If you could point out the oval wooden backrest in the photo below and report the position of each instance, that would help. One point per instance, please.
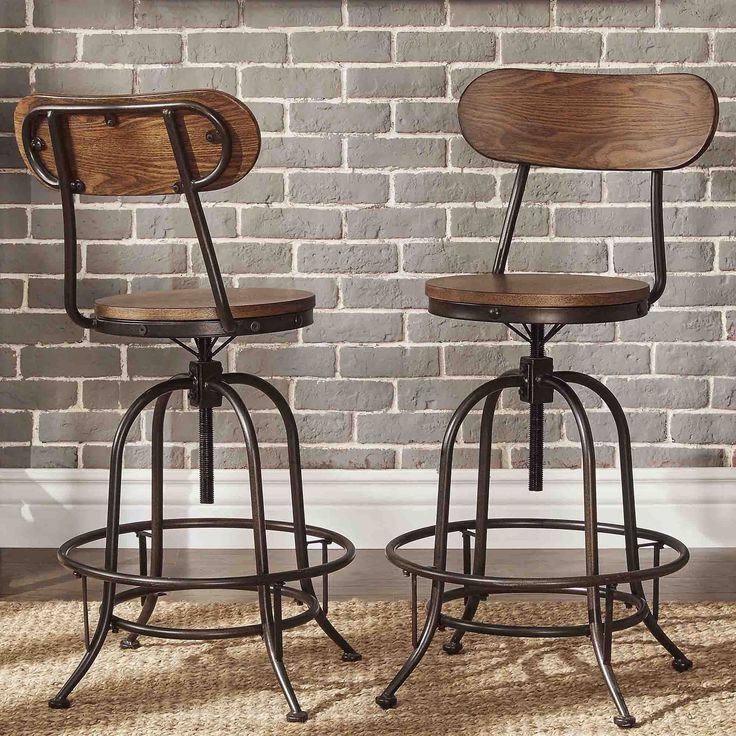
(134, 156)
(625, 122)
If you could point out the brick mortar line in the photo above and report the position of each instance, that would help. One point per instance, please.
(449, 210)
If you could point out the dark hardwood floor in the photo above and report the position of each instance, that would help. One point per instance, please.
(34, 574)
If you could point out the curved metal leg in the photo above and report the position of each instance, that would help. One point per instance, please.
(599, 638)
(271, 630)
(387, 699)
(454, 646)
(157, 515)
(680, 662)
(111, 545)
(297, 498)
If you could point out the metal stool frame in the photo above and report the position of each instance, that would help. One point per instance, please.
(205, 382)
(207, 387)
(476, 585)
(537, 382)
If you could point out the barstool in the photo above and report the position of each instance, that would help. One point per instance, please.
(184, 142)
(578, 121)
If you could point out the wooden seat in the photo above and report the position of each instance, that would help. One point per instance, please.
(193, 305)
(537, 298)
(537, 290)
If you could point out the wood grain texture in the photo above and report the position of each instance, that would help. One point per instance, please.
(183, 305)
(134, 157)
(625, 122)
(537, 290)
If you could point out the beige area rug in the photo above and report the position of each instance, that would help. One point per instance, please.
(496, 686)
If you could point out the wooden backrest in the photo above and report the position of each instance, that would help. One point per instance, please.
(130, 153)
(625, 122)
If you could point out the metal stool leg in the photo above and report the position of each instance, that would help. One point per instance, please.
(271, 636)
(111, 545)
(157, 515)
(387, 699)
(297, 498)
(680, 662)
(454, 646)
(599, 639)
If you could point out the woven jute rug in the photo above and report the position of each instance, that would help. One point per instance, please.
(496, 686)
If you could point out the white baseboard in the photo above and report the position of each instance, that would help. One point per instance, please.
(42, 508)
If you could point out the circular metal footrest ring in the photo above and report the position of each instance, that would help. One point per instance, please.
(151, 584)
(489, 584)
(230, 632)
(479, 627)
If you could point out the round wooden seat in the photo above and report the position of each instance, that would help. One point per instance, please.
(187, 305)
(537, 297)
(254, 309)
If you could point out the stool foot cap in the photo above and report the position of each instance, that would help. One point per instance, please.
(130, 644)
(625, 721)
(351, 657)
(682, 664)
(59, 703)
(386, 701)
(298, 716)
(452, 647)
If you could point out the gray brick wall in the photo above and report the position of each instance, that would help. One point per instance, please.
(364, 188)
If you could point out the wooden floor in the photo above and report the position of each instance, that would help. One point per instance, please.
(34, 574)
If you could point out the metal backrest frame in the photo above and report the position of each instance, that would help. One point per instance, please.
(57, 117)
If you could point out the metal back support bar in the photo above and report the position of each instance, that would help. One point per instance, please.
(658, 243)
(64, 185)
(187, 184)
(658, 246)
(509, 223)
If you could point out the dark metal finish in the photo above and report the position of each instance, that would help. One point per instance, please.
(656, 552)
(66, 193)
(600, 589)
(324, 546)
(206, 456)
(539, 315)
(202, 328)
(142, 557)
(297, 505)
(496, 584)
(207, 387)
(85, 608)
(157, 516)
(629, 508)
(191, 187)
(658, 245)
(414, 619)
(210, 634)
(509, 223)
(536, 394)
(387, 699)
(467, 622)
(61, 700)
